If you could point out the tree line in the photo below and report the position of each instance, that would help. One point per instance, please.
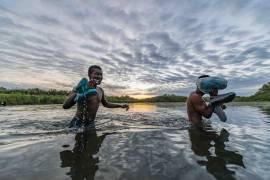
(53, 96)
(33, 91)
(263, 94)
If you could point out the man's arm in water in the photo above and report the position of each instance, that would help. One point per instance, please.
(107, 104)
(201, 107)
(69, 102)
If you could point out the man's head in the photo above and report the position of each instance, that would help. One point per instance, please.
(95, 73)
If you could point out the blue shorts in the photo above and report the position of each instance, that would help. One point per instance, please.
(76, 122)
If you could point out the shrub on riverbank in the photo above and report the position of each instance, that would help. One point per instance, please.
(20, 99)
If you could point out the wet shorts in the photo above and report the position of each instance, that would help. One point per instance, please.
(76, 122)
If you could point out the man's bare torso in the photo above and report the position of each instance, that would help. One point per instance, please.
(88, 108)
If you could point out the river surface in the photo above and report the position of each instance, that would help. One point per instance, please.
(150, 141)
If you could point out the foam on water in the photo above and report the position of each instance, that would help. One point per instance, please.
(50, 120)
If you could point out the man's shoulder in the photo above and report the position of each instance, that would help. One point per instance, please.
(193, 96)
(100, 90)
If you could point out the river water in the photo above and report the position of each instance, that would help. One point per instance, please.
(150, 141)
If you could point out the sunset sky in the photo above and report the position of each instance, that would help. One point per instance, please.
(145, 47)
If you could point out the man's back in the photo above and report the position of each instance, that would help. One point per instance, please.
(194, 116)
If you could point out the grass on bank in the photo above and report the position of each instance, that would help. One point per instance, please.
(37, 96)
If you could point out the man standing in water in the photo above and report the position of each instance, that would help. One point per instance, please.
(196, 106)
(88, 101)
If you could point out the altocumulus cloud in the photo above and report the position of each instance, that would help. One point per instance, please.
(144, 47)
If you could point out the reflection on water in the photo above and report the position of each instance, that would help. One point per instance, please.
(151, 141)
(265, 110)
(210, 145)
(143, 107)
(82, 160)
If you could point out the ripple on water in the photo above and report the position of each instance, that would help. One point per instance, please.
(156, 143)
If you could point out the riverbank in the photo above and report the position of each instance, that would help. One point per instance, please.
(26, 99)
(37, 96)
(23, 99)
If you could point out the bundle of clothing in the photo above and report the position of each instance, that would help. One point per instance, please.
(207, 84)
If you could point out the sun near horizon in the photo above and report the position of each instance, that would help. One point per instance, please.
(141, 96)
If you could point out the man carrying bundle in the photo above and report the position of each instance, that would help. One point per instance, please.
(87, 94)
(197, 108)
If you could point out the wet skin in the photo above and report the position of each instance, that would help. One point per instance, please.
(197, 108)
(88, 109)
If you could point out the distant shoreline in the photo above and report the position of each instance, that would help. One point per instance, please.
(37, 96)
(254, 103)
(20, 99)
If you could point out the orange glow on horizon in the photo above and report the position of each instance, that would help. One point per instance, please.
(141, 96)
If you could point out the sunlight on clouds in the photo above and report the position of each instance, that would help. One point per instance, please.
(52, 43)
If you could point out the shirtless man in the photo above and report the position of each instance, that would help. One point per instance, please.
(86, 111)
(196, 106)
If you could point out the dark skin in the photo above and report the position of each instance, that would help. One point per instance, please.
(93, 101)
(197, 108)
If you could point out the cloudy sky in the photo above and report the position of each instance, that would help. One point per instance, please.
(145, 47)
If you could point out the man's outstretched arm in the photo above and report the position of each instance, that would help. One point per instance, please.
(107, 104)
